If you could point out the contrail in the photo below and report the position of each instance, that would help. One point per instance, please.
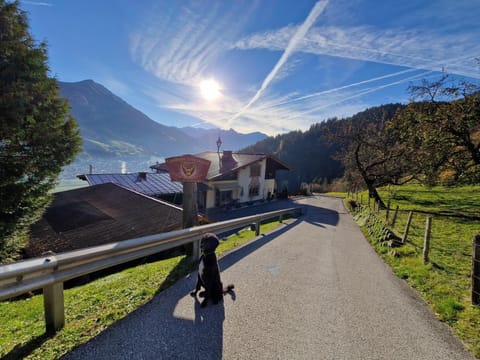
(366, 91)
(436, 63)
(292, 44)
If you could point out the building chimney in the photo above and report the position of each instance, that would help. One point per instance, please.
(142, 175)
(227, 155)
(227, 161)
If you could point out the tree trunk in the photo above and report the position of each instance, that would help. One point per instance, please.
(372, 190)
(373, 193)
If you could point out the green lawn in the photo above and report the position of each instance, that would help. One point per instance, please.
(91, 308)
(444, 282)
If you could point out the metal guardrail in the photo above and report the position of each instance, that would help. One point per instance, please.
(50, 272)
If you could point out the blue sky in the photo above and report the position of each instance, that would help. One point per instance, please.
(277, 65)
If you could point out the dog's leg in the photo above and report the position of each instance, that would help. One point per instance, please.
(197, 287)
(228, 288)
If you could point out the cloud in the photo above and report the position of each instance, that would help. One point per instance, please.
(410, 48)
(182, 45)
(36, 3)
(296, 38)
(272, 114)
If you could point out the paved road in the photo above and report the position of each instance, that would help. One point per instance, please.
(313, 290)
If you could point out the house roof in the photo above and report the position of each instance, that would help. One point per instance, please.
(151, 184)
(97, 215)
(228, 162)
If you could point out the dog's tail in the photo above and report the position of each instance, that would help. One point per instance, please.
(228, 288)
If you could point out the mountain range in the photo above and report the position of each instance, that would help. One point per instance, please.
(113, 129)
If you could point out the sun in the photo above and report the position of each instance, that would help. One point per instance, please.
(210, 89)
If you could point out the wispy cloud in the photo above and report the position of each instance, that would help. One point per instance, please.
(182, 46)
(399, 47)
(36, 3)
(292, 45)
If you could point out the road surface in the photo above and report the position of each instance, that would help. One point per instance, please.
(312, 290)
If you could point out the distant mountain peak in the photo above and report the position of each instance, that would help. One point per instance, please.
(113, 128)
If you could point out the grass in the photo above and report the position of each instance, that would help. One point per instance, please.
(91, 308)
(444, 282)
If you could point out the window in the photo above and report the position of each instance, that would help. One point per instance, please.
(253, 190)
(255, 169)
(254, 187)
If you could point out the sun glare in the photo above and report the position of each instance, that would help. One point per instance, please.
(210, 89)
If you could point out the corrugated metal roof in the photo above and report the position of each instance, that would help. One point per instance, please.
(151, 184)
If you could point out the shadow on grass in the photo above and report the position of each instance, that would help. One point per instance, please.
(22, 351)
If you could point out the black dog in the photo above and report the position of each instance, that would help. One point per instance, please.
(209, 272)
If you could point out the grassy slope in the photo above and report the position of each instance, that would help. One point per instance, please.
(445, 281)
(93, 307)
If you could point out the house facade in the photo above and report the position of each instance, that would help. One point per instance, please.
(236, 178)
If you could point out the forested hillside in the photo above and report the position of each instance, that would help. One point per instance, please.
(434, 139)
(310, 154)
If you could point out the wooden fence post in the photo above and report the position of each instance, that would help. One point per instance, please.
(388, 211)
(476, 271)
(407, 226)
(395, 216)
(426, 241)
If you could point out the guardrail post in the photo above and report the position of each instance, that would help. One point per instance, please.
(280, 219)
(257, 228)
(54, 306)
(196, 250)
(476, 271)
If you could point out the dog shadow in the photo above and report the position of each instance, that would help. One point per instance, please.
(167, 327)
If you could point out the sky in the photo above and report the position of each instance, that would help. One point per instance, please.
(268, 65)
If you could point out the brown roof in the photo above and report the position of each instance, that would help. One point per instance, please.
(97, 215)
(228, 162)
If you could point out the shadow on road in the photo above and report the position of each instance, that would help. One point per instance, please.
(238, 254)
(320, 216)
(172, 324)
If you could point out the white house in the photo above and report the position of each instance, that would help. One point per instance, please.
(235, 178)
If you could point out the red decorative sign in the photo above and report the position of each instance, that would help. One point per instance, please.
(187, 168)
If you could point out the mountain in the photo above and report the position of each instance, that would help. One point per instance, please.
(231, 140)
(118, 137)
(110, 127)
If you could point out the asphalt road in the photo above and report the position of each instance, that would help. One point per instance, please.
(312, 290)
